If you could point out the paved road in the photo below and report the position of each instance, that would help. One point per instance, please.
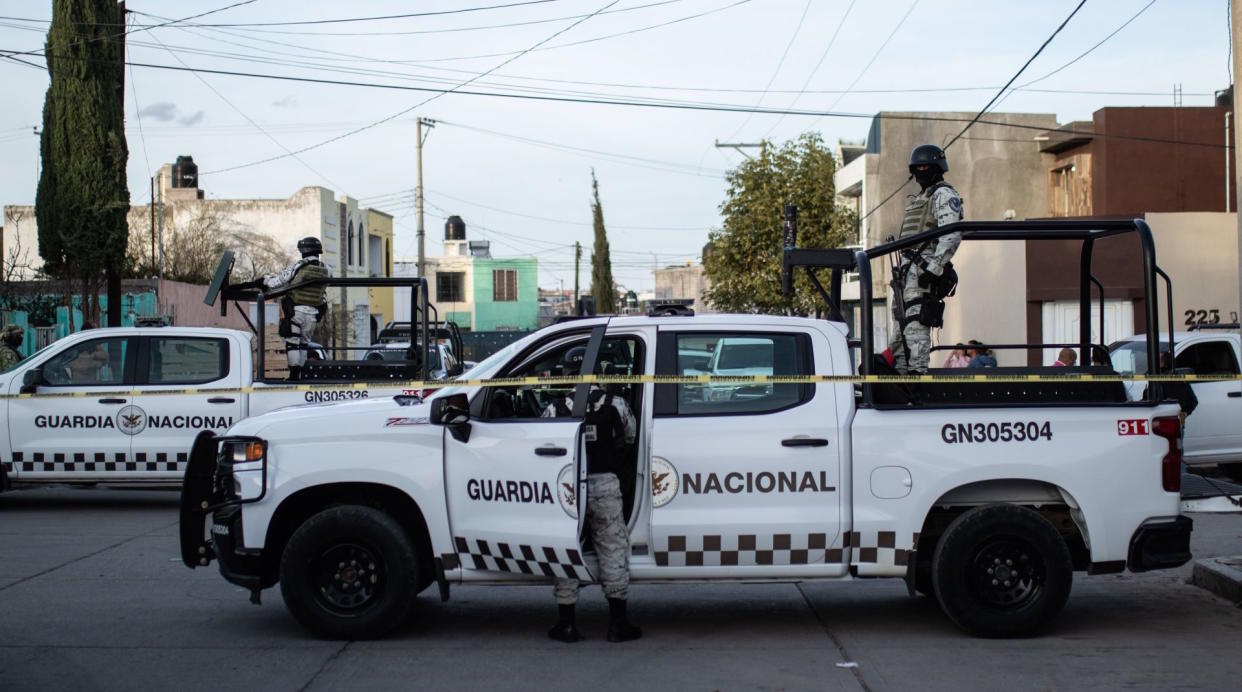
(92, 596)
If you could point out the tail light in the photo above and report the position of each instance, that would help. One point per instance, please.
(1170, 428)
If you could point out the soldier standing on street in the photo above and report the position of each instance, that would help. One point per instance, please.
(303, 307)
(608, 427)
(9, 345)
(920, 280)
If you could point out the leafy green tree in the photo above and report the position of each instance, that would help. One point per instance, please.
(603, 290)
(82, 198)
(743, 258)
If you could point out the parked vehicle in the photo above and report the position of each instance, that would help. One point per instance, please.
(986, 495)
(1214, 430)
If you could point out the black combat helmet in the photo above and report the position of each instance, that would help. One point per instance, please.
(310, 247)
(928, 154)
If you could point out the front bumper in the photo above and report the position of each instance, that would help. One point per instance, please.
(1162, 545)
(204, 493)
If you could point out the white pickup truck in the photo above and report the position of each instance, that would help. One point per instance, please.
(986, 494)
(85, 424)
(1214, 430)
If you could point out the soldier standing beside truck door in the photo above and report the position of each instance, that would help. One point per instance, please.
(9, 345)
(608, 426)
(303, 308)
(923, 276)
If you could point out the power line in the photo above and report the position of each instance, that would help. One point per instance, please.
(345, 20)
(1082, 54)
(870, 62)
(146, 28)
(815, 70)
(424, 101)
(256, 125)
(1017, 74)
(562, 221)
(779, 64)
(988, 105)
(688, 106)
(507, 25)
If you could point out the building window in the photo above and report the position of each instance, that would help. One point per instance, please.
(349, 244)
(504, 285)
(362, 239)
(450, 287)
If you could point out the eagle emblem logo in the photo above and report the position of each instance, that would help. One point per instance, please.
(664, 483)
(131, 420)
(566, 490)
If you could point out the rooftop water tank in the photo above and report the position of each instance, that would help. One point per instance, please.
(454, 228)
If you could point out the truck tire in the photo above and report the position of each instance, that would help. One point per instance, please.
(1232, 471)
(1002, 571)
(349, 572)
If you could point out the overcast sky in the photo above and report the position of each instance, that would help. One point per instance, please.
(517, 170)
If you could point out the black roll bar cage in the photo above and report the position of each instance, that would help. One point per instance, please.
(419, 306)
(1085, 230)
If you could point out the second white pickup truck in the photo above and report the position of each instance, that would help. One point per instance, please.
(84, 424)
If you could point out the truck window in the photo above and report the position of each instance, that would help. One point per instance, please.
(617, 356)
(1208, 358)
(90, 363)
(740, 353)
(187, 360)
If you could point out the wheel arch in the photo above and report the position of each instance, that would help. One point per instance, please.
(1049, 500)
(294, 510)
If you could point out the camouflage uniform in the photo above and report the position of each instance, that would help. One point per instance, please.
(306, 300)
(8, 357)
(936, 206)
(11, 341)
(605, 518)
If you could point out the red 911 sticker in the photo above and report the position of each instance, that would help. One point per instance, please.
(1134, 427)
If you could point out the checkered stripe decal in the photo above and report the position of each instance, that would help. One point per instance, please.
(780, 549)
(69, 462)
(524, 559)
(745, 549)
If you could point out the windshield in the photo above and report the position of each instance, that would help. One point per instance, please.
(1130, 357)
(489, 365)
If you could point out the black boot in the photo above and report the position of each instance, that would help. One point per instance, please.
(620, 629)
(564, 629)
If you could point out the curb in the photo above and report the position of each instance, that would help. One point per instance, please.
(1220, 575)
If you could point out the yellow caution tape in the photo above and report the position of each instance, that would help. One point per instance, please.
(627, 379)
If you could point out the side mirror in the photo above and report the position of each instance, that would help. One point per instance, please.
(450, 410)
(31, 380)
(453, 412)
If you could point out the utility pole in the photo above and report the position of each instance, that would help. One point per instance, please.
(160, 185)
(1235, 32)
(577, 259)
(153, 221)
(418, 197)
(740, 146)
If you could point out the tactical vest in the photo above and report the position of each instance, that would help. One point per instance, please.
(309, 295)
(605, 434)
(918, 216)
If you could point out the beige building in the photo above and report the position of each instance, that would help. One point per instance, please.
(682, 282)
(357, 241)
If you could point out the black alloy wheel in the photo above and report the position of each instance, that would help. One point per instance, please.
(1002, 571)
(349, 572)
(348, 577)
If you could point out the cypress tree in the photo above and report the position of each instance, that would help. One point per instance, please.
(83, 199)
(602, 288)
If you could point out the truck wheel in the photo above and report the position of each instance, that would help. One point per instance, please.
(1001, 571)
(1232, 471)
(349, 572)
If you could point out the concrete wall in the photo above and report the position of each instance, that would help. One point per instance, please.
(672, 283)
(190, 310)
(379, 229)
(1199, 251)
(19, 243)
(990, 305)
(1132, 176)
